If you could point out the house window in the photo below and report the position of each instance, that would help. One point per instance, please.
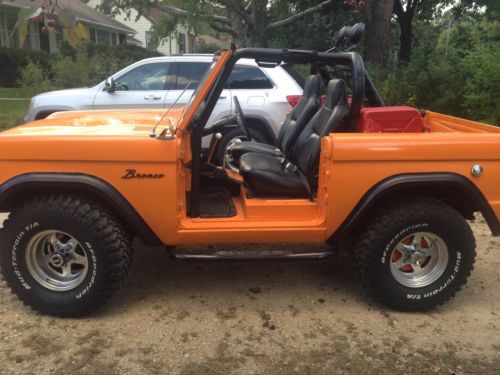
(92, 35)
(181, 38)
(59, 37)
(13, 38)
(4, 33)
(34, 35)
(103, 37)
(114, 40)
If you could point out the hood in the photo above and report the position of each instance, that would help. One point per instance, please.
(98, 123)
(65, 92)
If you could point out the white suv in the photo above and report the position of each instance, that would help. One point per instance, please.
(266, 94)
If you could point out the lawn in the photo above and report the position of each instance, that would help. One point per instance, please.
(13, 111)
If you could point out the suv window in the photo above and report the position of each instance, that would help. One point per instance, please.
(191, 72)
(144, 78)
(248, 77)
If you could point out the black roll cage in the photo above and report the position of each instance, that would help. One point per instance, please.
(362, 86)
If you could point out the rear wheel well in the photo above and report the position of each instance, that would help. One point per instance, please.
(457, 192)
(262, 127)
(453, 196)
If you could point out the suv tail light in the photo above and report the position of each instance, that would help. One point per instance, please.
(293, 99)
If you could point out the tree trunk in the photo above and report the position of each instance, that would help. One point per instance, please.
(377, 16)
(405, 25)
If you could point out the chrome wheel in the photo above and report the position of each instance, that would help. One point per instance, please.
(229, 162)
(419, 259)
(56, 260)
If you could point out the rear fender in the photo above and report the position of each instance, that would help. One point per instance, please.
(458, 191)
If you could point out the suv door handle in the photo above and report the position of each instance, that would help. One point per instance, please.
(222, 97)
(152, 97)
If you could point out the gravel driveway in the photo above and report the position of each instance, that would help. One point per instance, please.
(259, 318)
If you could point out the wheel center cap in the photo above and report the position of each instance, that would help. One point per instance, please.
(57, 260)
(417, 258)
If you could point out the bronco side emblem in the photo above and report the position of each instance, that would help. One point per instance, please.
(132, 173)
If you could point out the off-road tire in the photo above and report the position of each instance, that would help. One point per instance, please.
(388, 226)
(104, 239)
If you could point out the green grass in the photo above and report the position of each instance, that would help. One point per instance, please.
(13, 111)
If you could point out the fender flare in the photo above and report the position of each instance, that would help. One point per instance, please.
(80, 182)
(423, 184)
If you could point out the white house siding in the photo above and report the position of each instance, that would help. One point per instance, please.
(169, 46)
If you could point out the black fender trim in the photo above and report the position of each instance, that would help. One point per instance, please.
(418, 181)
(86, 183)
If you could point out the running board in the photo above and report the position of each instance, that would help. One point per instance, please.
(226, 255)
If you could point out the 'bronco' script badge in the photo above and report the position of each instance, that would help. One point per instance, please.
(132, 173)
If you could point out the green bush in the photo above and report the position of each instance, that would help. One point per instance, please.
(456, 74)
(12, 60)
(34, 78)
(90, 64)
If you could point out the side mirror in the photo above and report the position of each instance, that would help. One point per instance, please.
(109, 85)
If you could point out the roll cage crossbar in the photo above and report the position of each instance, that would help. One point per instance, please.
(361, 85)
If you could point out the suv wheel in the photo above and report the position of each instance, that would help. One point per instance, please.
(417, 255)
(63, 255)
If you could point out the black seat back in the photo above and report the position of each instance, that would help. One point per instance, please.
(329, 118)
(300, 115)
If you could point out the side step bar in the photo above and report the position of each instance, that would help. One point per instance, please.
(253, 256)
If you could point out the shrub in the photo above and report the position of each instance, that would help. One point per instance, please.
(34, 78)
(91, 63)
(12, 60)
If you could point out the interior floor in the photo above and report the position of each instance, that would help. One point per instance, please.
(215, 202)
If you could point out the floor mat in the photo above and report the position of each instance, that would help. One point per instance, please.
(216, 202)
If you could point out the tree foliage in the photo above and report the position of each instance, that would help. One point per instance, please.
(454, 71)
(249, 22)
(54, 19)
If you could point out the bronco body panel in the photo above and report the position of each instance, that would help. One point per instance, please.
(108, 145)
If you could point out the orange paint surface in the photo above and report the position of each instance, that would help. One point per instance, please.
(107, 143)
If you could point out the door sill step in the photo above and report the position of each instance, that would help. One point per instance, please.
(226, 255)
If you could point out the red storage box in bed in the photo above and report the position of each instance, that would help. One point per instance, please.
(390, 120)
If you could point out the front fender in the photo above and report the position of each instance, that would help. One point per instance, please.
(21, 186)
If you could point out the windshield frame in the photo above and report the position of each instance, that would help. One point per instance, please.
(203, 90)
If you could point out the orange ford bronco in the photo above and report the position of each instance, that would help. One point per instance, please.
(391, 185)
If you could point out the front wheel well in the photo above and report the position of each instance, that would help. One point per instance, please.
(43, 114)
(18, 197)
(25, 187)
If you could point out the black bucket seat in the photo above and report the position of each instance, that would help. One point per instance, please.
(268, 175)
(295, 122)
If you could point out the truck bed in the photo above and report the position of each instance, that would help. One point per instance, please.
(437, 122)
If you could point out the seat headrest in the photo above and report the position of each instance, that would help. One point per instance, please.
(336, 93)
(311, 86)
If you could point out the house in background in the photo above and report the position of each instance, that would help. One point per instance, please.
(103, 29)
(182, 41)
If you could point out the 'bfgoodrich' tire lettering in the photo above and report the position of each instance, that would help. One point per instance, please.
(102, 237)
(390, 225)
